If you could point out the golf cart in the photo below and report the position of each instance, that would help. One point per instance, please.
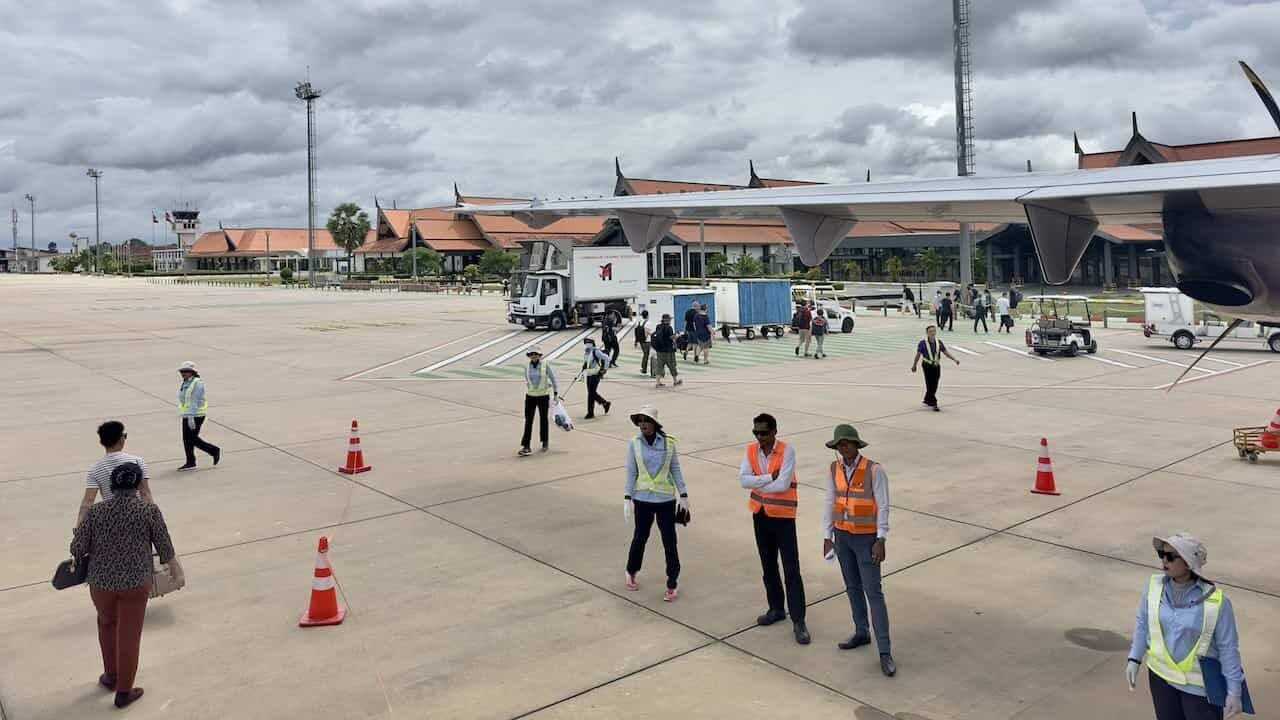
(1054, 330)
(839, 317)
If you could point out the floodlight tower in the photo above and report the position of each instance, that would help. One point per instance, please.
(964, 122)
(97, 220)
(308, 94)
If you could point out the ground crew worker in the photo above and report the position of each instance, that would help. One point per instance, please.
(1183, 617)
(930, 351)
(193, 404)
(769, 472)
(594, 364)
(540, 387)
(664, 348)
(642, 340)
(654, 490)
(855, 524)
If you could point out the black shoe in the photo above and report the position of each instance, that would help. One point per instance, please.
(188, 466)
(524, 451)
(606, 407)
(801, 632)
(797, 352)
(107, 680)
(588, 417)
(888, 666)
(124, 699)
(937, 409)
(770, 617)
(856, 641)
(217, 455)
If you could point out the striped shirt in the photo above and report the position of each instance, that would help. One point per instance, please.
(100, 474)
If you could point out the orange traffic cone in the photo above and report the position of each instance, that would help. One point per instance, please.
(324, 608)
(1271, 436)
(1044, 472)
(355, 456)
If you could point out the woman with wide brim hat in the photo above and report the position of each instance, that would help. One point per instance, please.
(540, 387)
(1182, 619)
(193, 404)
(654, 490)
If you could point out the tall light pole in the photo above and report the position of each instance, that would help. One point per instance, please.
(35, 264)
(308, 94)
(964, 123)
(97, 220)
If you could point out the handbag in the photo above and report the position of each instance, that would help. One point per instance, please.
(70, 573)
(163, 583)
(683, 516)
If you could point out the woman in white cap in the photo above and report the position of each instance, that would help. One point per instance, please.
(1182, 618)
(192, 406)
(540, 387)
(654, 491)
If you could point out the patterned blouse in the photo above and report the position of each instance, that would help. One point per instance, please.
(118, 535)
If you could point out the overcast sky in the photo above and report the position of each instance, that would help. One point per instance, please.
(192, 102)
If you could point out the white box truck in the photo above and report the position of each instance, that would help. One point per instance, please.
(566, 284)
(1171, 315)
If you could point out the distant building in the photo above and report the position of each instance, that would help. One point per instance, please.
(167, 258)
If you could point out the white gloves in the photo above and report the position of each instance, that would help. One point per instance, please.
(1232, 707)
(1131, 673)
(191, 422)
(627, 509)
(682, 502)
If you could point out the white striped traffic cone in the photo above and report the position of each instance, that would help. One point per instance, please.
(1270, 438)
(1045, 484)
(323, 609)
(355, 456)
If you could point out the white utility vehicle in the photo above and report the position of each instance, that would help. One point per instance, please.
(565, 284)
(1171, 315)
(838, 316)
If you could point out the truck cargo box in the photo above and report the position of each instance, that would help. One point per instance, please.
(746, 303)
(675, 303)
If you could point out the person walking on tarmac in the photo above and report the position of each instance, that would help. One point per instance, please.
(594, 365)
(690, 331)
(819, 330)
(540, 387)
(193, 404)
(1002, 307)
(702, 334)
(909, 301)
(946, 313)
(930, 351)
(664, 348)
(654, 490)
(769, 472)
(979, 313)
(804, 324)
(1182, 618)
(609, 334)
(855, 525)
(642, 341)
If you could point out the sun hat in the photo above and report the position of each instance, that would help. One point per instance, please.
(646, 411)
(534, 351)
(187, 366)
(1189, 549)
(845, 432)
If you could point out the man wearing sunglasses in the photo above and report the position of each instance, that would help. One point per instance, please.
(768, 471)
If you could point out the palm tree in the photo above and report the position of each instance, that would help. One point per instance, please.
(348, 226)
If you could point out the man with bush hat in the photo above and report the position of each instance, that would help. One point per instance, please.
(540, 387)
(855, 523)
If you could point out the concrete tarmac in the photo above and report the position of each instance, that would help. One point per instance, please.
(483, 585)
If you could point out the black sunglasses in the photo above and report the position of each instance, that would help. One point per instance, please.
(761, 433)
(1170, 556)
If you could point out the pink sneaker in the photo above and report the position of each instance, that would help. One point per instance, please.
(670, 594)
(631, 582)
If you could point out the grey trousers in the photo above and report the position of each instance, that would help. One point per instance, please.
(862, 585)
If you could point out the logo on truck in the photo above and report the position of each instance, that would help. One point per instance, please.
(606, 271)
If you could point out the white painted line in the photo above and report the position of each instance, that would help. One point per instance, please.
(1216, 374)
(417, 354)
(537, 338)
(1117, 363)
(1159, 360)
(568, 344)
(963, 350)
(468, 353)
(1224, 362)
(1016, 351)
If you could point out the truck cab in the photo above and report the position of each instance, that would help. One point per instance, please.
(541, 300)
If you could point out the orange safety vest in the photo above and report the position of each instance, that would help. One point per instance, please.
(779, 504)
(855, 508)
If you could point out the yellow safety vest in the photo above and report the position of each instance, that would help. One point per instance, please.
(660, 483)
(1187, 670)
(931, 354)
(543, 388)
(184, 399)
(594, 366)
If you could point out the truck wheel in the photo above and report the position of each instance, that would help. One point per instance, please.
(1274, 343)
(1073, 350)
(847, 325)
(751, 333)
(1184, 340)
(1093, 347)
(556, 323)
(724, 331)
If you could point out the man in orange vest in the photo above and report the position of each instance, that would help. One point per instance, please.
(769, 471)
(855, 522)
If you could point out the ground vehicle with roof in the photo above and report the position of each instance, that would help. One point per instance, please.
(1170, 314)
(1056, 329)
(839, 317)
(564, 284)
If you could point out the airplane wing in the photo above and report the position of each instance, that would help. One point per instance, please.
(1062, 208)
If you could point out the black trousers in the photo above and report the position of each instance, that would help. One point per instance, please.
(774, 537)
(665, 514)
(542, 405)
(191, 440)
(932, 374)
(980, 316)
(946, 321)
(613, 349)
(593, 394)
(1173, 704)
(644, 359)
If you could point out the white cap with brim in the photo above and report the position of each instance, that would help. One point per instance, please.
(1189, 548)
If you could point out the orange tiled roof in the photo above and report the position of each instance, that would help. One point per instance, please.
(775, 183)
(1129, 233)
(507, 232)
(1195, 151)
(457, 245)
(642, 186)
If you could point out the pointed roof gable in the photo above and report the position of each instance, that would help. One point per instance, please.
(755, 181)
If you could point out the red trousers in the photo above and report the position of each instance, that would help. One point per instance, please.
(120, 616)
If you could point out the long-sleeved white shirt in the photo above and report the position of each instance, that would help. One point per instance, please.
(879, 487)
(766, 483)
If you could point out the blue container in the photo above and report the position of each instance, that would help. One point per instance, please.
(764, 302)
(681, 302)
